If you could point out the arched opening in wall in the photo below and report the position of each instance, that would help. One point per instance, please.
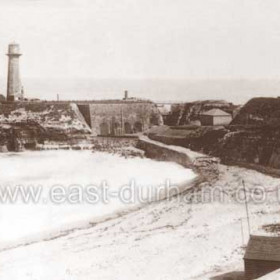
(127, 128)
(138, 127)
(104, 129)
(154, 120)
(116, 129)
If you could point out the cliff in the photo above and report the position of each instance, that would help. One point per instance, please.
(252, 145)
(24, 125)
(188, 113)
(248, 146)
(50, 115)
(201, 139)
(18, 136)
(259, 111)
(254, 134)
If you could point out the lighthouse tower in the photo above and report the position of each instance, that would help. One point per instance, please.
(14, 87)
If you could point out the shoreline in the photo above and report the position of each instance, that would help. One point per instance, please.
(178, 222)
(182, 227)
(85, 223)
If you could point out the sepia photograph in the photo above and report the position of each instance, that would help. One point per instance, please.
(139, 139)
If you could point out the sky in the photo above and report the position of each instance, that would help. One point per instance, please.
(143, 39)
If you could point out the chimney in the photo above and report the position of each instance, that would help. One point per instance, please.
(125, 95)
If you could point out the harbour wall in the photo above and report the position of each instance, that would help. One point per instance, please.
(205, 166)
(160, 151)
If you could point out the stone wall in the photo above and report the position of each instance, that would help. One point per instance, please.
(159, 151)
(120, 117)
(205, 166)
(111, 141)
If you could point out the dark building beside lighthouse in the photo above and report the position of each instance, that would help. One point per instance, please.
(14, 86)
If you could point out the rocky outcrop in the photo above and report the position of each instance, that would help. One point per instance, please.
(255, 147)
(19, 136)
(189, 113)
(252, 139)
(254, 135)
(27, 124)
(201, 139)
(259, 111)
(56, 116)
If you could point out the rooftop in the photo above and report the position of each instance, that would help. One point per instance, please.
(266, 248)
(215, 112)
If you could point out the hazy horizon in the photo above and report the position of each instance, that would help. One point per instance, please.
(236, 91)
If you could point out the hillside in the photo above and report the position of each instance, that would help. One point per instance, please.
(252, 147)
(24, 125)
(188, 113)
(63, 116)
(259, 111)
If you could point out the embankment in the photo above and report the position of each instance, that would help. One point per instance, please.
(205, 166)
(249, 146)
(160, 151)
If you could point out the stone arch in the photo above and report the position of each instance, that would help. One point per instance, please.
(154, 120)
(116, 128)
(138, 127)
(104, 129)
(127, 128)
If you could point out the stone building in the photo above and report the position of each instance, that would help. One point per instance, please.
(14, 86)
(262, 256)
(119, 117)
(215, 117)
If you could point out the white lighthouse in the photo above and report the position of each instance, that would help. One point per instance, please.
(14, 86)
